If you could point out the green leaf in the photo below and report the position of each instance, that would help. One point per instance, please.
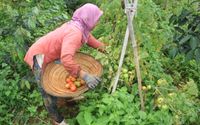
(179, 29)
(20, 55)
(65, 16)
(142, 114)
(184, 39)
(135, 89)
(189, 55)
(106, 100)
(173, 52)
(101, 121)
(32, 22)
(183, 17)
(193, 43)
(7, 92)
(19, 36)
(191, 88)
(21, 32)
(27, 84)
(35, 10)
(88, 118)
(172, 19)
(197, 54)
(32, 109)
(80, 118)
(182, 21)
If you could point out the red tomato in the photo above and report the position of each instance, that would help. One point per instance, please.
(73, 88)
(70, 82)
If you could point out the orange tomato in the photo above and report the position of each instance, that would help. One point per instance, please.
(82, 82)
(68, 80)
(73, 79)
(67, 86)
(73, 88)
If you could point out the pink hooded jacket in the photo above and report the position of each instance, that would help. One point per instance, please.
(65, 41)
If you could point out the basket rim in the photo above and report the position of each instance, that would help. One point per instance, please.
(73, 94)
(91, 57)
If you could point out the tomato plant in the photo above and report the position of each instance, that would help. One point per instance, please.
(186, 39)
(170, 85)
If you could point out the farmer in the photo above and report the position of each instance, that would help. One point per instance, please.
(62, 44)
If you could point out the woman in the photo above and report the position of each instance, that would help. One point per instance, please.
(62, 43)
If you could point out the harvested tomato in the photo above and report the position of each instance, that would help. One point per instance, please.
(67, 86)
(73, 79)
(78, 79)
(77, 83)
(73, 83)
(68, 80)
(82, 82)
(73, 88)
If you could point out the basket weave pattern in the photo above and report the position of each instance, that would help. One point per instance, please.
(54, 76)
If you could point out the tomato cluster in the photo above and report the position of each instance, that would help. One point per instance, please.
(73, 83)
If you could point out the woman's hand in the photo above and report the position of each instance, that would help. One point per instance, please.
(91, 80)
(103, 48)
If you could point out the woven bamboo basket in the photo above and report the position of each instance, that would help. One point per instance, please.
(53, 80)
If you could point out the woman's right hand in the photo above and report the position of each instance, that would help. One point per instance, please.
(91, 80)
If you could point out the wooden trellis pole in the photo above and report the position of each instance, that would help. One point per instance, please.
(130, 10)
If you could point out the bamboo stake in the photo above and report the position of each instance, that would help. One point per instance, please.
(130, 32)
(136, 58)
(135, 51)
(114, 84)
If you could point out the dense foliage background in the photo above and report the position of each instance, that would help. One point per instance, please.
(168, 34)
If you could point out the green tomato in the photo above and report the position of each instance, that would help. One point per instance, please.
(172, 94)
(176, 117)
(78, 84)
(159, 105)
(161, 82)
(160, 100)
(144, 88)
(115, 67)
(124, 70)
(164, 107)
(125, 76)
(149, 87)
(130, 72)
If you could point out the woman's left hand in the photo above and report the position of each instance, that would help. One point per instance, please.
(91, 80)
(103, 48)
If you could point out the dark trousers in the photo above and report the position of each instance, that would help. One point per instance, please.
(50, 101)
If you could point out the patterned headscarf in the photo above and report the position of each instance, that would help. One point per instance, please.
(85, 18)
